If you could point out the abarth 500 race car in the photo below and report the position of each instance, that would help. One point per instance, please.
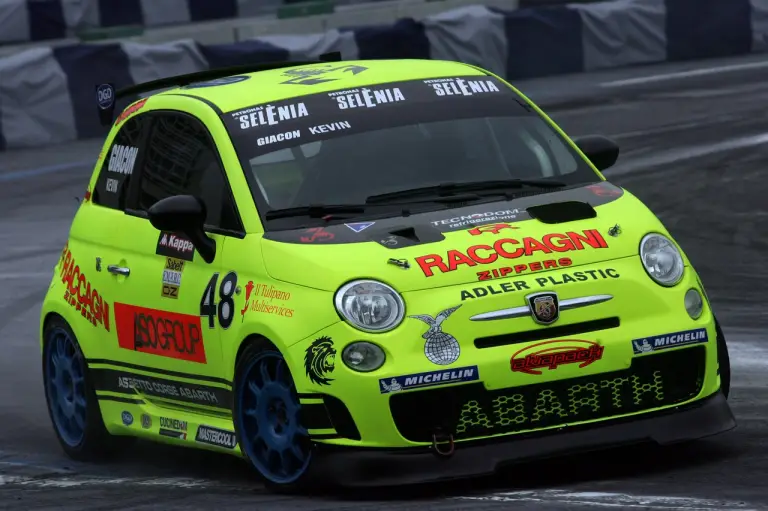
(371, 271)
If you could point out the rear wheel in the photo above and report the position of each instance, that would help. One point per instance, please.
(724, 361)
(267, 418)
(72, 403)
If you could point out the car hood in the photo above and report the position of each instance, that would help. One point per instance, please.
(489, 241)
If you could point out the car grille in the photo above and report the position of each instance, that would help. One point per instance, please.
(470, 411)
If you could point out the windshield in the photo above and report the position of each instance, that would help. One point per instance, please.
(343, 147)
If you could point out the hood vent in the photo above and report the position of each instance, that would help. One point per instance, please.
(561, 212)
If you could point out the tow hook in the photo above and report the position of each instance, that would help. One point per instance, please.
(443, 444)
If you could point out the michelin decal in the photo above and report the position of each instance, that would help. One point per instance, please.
(430, 379)
(662, 342)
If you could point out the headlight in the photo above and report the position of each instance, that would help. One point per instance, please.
(661, 259)
(370, 306)
(363, 356)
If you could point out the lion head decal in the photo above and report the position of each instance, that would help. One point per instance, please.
(319, 360)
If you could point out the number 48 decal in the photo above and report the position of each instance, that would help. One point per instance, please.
(225, 308)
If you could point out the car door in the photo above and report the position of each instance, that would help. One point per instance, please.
(97, 250)
(169, 319)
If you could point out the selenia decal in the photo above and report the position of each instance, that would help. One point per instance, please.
(270, 115)
(461, 86)
(366, 98)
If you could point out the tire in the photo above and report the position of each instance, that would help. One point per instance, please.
(71, 400)
(266, 401)
(724, 362)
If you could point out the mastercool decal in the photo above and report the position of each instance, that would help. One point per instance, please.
(661, 342)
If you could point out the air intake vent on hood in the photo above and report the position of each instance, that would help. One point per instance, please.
(560, 212)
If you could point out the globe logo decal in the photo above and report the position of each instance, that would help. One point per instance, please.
(440, 348)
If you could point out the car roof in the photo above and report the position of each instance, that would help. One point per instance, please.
(267, 86)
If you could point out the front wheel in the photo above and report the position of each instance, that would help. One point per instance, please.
(267, 418)
(72, 403)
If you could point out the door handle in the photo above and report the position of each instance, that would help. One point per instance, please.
(118, 270)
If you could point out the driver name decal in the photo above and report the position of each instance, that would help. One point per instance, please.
(366, 98)
(269, 115)
(280, 137)
(122, 159)
(156, 332)
(510, 248)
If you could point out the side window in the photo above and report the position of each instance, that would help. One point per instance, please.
(181, 159)
(119, 162)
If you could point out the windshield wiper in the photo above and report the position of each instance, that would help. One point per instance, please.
(447, 189)
(315, 211)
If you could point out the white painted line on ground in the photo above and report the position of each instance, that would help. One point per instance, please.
(612, 500)
(686, 153)
(75, 481)
(685, 74)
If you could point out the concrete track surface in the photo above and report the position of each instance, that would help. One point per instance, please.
(694, 143)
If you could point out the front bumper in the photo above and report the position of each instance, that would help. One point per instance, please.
(387, 467)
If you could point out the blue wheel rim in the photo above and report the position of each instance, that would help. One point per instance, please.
(268, 420)
(65, 386)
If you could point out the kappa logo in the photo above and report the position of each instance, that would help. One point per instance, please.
(174, 245)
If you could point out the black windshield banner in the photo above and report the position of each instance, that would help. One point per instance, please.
(264, 128)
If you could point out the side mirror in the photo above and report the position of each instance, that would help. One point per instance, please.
(601, 151)
(184, 214)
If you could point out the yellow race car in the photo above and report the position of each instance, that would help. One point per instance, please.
(371, 272)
